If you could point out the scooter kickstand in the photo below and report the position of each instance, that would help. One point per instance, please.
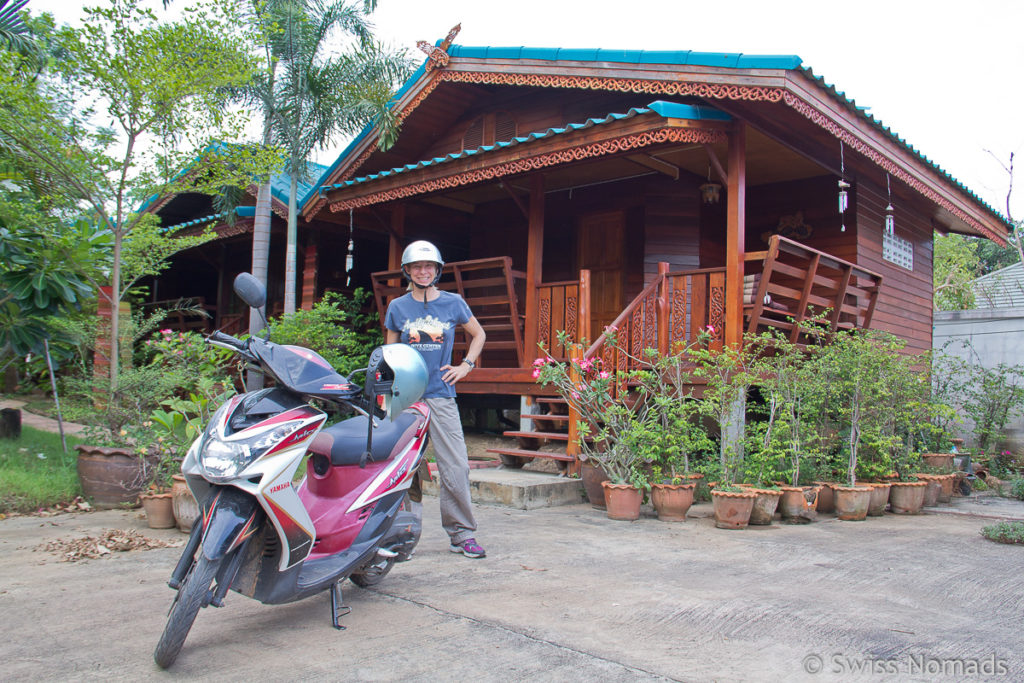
(338, 606)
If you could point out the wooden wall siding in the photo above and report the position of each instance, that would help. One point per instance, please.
(671, 226)
(905, 303)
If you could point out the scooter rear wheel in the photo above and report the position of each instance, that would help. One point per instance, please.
(193, 594)
(373, 574)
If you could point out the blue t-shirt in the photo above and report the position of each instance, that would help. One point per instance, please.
(430, 329)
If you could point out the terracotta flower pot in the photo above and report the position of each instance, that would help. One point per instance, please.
(932, 488)
(732, 509)
(110, 477)
(797, 500)
(826, 497)
(593, 476)
(879, 498)
(622, 501)
(946, 484)
(672, 501)
(765, 504)
(852, 502)
(906, 497)
(159, 509)
(941, 462)
(186, 509)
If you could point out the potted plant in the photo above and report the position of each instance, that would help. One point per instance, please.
(157, 501)
(610, 432)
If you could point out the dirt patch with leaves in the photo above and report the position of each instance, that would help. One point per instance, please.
(108, 542)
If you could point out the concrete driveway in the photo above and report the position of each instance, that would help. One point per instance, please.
(564, 595)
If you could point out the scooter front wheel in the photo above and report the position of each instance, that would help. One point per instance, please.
(193, 594)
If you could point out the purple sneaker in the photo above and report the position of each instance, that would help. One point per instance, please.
(469, 548)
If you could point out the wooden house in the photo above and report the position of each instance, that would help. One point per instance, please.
(662, 192)
(204, 275)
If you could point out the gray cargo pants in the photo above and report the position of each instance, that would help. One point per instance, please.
(452, 469)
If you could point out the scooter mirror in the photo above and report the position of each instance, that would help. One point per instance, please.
(250, 290)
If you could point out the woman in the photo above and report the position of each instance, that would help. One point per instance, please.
(426, 318)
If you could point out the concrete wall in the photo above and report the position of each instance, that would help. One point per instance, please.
(997, 336)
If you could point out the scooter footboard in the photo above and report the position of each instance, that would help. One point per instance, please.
(231, 517)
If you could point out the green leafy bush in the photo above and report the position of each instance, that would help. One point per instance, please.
(1017, 489)
(1004, 532)
(336, 328)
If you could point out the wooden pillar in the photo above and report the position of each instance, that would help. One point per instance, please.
(663, 309)
(534, 263)
(735, 249)
(309, 271)
(583, 316)
(397, 242)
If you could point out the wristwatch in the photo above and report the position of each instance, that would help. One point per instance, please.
(470, 363)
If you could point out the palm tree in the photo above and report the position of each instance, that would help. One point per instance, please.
(306, 100)
(14, 33)
(316, 97)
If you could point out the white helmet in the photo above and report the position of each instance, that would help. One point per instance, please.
(422, 250)
(399, 373)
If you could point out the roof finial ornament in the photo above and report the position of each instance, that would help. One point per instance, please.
(437, 56)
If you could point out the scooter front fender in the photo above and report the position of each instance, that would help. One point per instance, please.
(231, 517)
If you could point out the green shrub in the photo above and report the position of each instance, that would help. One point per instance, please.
(1017, 489)
(35, 472)
(336, 328)
(1004, 532)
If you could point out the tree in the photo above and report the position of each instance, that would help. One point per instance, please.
(14, 33)
(956, 265)
(133, 102)
(312, 98)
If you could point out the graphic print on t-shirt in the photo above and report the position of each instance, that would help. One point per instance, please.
(426, 332)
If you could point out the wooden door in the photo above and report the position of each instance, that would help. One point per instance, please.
(601, 241)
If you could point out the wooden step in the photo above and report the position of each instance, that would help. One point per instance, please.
(553, 436)
(545, 416)
(532, 454)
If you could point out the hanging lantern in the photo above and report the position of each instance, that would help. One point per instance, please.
(710, 192)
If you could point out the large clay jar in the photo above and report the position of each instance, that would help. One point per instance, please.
(796, 500)
(593, 476)
(826, 497)
(940, 462)
(186, 509)
(765, 504)
(159, 510)
(732, 508)
(906, 497)
(852, 502)
(622, 501)
(879, 498)
(946, 483)
(932, 488)
(672, 501)
(110, 477)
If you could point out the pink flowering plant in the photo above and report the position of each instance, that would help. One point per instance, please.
(611, 434)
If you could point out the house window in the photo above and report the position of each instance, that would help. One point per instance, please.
(488, 129)
(898, 251)
(474, 135)
(504, 127)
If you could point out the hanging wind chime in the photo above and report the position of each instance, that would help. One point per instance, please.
(890, 221)
(350, 250)
(844, 187)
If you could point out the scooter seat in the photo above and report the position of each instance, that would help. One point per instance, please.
(344, 443)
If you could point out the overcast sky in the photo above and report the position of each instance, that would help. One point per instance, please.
(946, 76)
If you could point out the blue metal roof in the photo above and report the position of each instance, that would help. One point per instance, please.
(241, 212)
(685, 57)
(280, 183)
(673, 110)
(681, 57)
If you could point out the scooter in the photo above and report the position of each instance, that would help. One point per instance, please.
(350, 517)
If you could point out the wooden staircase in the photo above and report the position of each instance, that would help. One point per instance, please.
(551, 427)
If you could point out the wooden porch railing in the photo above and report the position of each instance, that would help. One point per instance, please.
(795, 282)
(563, 306)
(491, 288)
(675, 307)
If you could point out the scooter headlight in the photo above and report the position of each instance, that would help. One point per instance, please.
(225, 458)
